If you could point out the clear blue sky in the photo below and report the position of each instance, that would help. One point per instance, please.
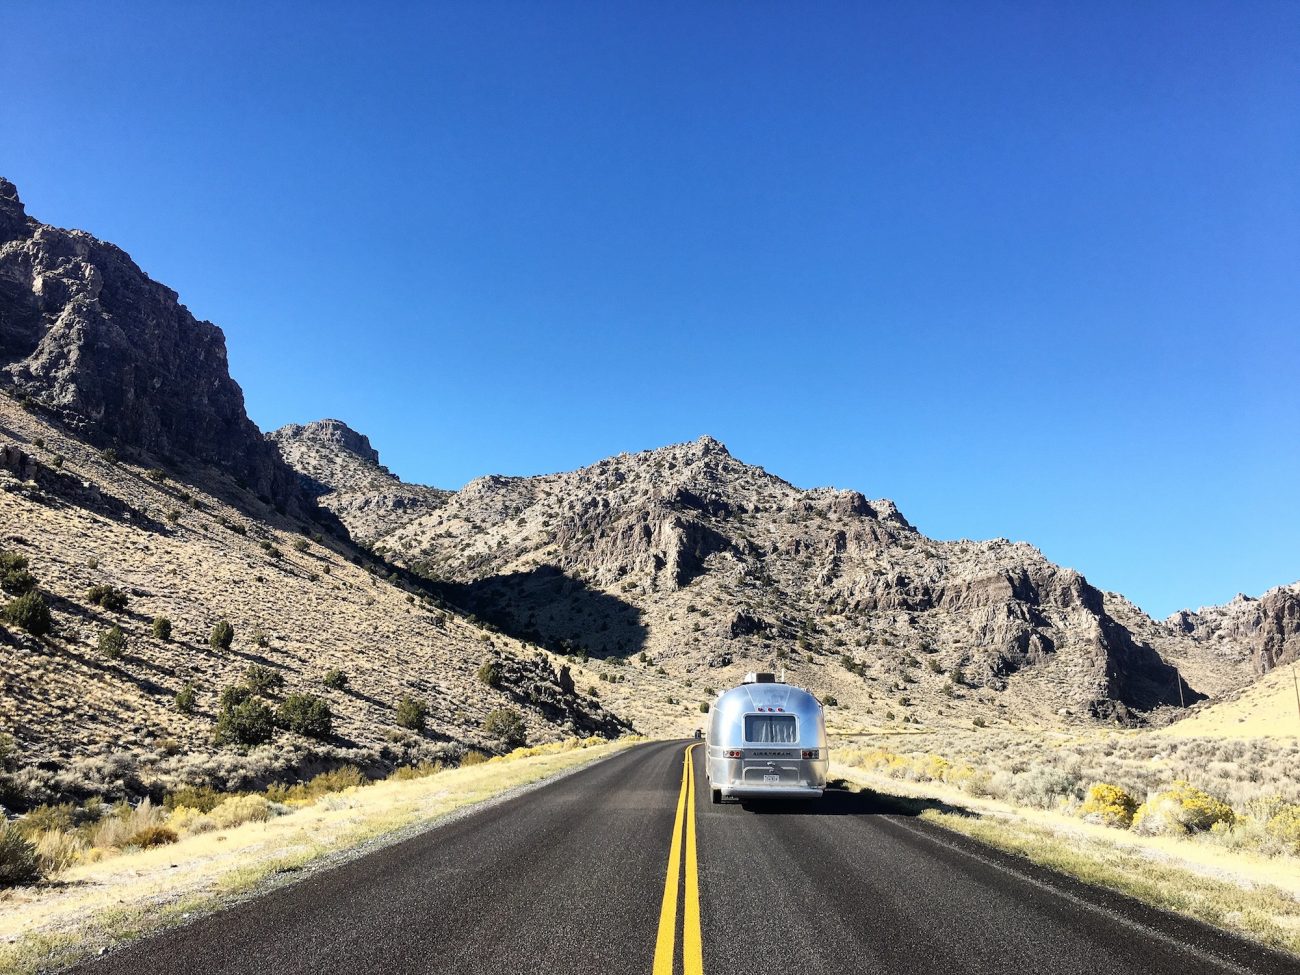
(1031, 270)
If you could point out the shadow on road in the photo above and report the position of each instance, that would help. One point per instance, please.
(842, 800)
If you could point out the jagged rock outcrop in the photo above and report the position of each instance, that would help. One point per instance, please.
(696, 559)
(340, 468)
(1263, 631)
(85, 333)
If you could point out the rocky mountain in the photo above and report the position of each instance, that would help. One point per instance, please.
(342, 471)
(116, 357)
(1260, 633)
(697, 566)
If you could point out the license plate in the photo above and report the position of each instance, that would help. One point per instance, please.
(771, 778)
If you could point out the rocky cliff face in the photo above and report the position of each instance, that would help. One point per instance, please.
(1261, 632)
(88, 335)
(708, 565)
(341, 470)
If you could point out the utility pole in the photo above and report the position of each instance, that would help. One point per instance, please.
(1295, 681)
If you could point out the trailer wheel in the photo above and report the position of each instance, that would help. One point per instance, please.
(716, 796)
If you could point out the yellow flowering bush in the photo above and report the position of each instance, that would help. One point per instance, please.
(1182, 809)
(1109, 805)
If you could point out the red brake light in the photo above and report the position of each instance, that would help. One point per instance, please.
(734, 753)
(812, 753)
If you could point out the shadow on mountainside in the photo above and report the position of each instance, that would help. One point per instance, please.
(840, 799)
(554, 610)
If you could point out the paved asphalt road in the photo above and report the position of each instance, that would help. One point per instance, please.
(579, 877)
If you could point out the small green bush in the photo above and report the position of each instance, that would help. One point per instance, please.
(14, 577)
(112, 642)
(490, 673)
(704, 707)
(506, 725)
(29, 612)
(186, 698)
(248, 723)
(156, 474)
(223, 635)
(261, 679)
(300, 544)
(18, 860)
(108, 597)
(830, 701)
(233, 696)
(162, 628)
(335, 679)
(411, 713)
(307, 715)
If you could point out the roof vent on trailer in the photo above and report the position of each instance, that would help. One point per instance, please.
(763, 677)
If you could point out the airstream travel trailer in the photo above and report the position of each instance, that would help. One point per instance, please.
(766, 739)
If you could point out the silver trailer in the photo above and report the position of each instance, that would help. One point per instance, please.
(766, 739)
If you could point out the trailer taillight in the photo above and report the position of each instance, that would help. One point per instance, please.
(812, 753)
(734, 753)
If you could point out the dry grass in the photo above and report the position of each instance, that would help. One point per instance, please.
(1267, 707)
(106, 901)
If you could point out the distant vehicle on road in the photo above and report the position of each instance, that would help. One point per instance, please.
(699, 733)
(766, 740)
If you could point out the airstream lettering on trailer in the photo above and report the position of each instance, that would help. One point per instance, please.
(766, 739)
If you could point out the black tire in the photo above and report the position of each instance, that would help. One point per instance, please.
(716, 796)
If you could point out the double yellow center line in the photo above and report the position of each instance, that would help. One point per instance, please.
(666, 942)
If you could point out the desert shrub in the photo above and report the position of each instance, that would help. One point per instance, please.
(107, 597)
(1109, 805)
(506, 725)
(1284, 825)
(223, 635)
(56, 850)
(474, 757)
(162, 628)
(112, 642)
(109, 454)
(233, 696)
(204, 798)
(18, 860)
(490, 673)
(335, 679)
(142, 826)
(29, 612)
(1041, 786)
(14, 577)
(240, 809)
(42, 819)
(261, 679)
(300, 544)
(186, 698)
(411, 713)
(345, 777)
(248, 723)
(1181, 809)
(156, 474)
(830, 700)
(704, 707)
(148, 836)
(307, 715)
(421, 771)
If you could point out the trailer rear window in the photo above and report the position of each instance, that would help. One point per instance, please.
(770, 728)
